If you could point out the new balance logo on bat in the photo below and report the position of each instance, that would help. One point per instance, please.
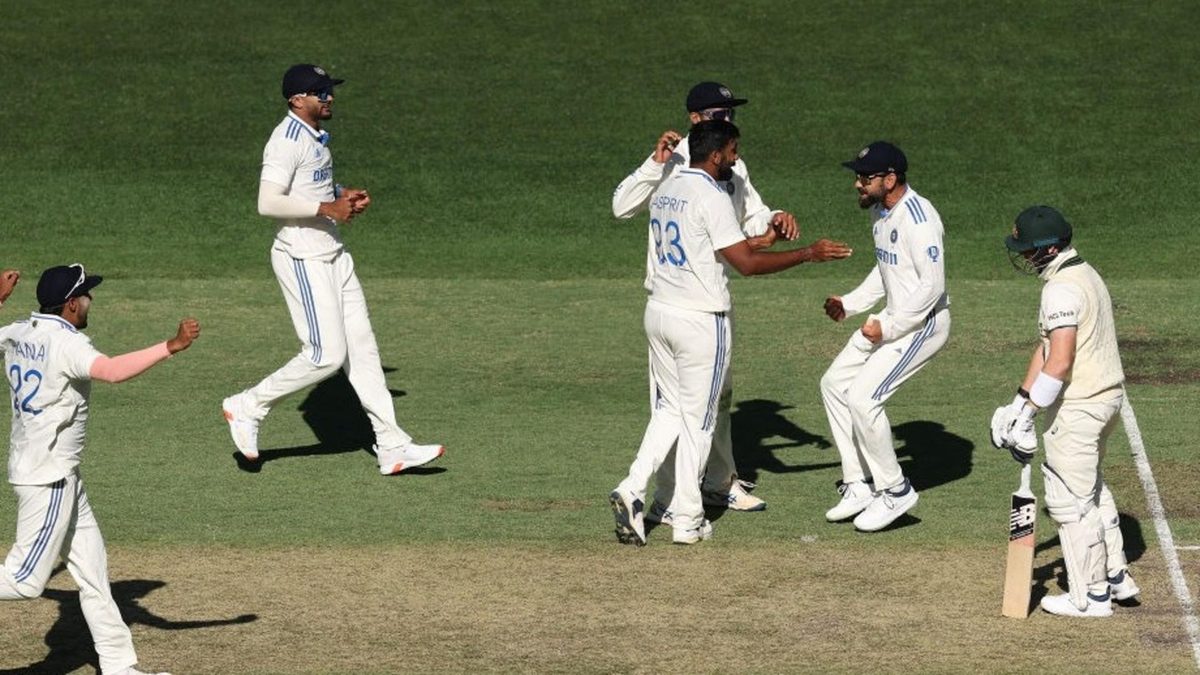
(1021, 519)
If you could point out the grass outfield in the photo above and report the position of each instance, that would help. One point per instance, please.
(507, 304)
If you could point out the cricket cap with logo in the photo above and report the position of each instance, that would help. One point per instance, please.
(59, 284)
(878, 157)
(1037, 227)
(305, 77)
(707, 95)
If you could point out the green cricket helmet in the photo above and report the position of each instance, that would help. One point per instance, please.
(1036, 230)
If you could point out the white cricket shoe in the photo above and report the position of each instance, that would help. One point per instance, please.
(242, 427)
(1061, 605)
(695, 535)
(134, 671)
(1123, 586)
(407, 457)
(886, 507)
(856, 495)
(659, 513)
(627, 510)
(738, 498)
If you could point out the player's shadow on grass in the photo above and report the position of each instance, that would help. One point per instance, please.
(70, 642)
(335, 415)
(760, 432)
(1055, 571)
(931, 456)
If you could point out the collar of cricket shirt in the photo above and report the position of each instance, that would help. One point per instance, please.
(321, 137)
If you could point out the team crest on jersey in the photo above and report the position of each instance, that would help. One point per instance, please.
(933, 253)
(893, 236)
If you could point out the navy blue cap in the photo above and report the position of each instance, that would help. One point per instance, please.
(878, 157)
(711, 95)
(305, 77)
(59, 284)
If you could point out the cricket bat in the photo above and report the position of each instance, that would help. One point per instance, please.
(1018, 572)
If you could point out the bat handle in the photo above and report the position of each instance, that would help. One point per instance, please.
(1025, 473)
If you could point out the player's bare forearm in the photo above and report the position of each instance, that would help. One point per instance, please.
(750, 262)
(189, 330)
(1035, 366)
(340, 209)
(763, 241)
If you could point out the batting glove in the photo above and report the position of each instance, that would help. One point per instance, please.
(1005, 417)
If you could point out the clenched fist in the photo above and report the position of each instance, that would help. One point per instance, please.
(189, 330)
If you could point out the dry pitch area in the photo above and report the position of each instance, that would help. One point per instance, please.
(773, 608)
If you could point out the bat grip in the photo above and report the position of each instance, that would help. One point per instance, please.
(1025, 472)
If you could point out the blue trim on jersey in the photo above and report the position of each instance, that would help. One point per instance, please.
(907, 358)
(43, 538)
(310, 309)
(714, 392)
(296, 124)
(707, 177)
(915, 210)
(54, 317)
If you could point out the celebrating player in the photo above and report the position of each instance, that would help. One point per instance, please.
(693, 233)
(1075, 374)
(316, 273)
(50, 365)
(890, 347)
(761, 225)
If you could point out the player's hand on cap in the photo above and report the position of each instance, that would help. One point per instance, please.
(823, 250)
(8, 281)
(834, 308)
(666, 146)
(785, 225)
(189, 330)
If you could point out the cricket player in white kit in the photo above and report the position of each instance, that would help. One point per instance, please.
(890, 347)
(693, 232)
(761, 225)
(316, 274)
(50, 365)
(1075, 375)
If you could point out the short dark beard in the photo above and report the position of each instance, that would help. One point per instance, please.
(725, 173)
(867, 201)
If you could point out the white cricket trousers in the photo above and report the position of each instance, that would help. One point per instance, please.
(689, 362)
(857, 384)
(55, 522)
(721, 469)
(329, 313)
(1076, 439)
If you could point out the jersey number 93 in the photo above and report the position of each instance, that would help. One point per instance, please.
(672, 252)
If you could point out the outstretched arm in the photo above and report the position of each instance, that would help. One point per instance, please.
(751, 262)
(126, 366)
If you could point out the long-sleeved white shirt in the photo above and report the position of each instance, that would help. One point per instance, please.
(910, 267)
(633, 193)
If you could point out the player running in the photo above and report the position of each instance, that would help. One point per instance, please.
(1075, 375)
(693, 233)
(316, 274)
(50, 365)
(761, 225)
(890, 347)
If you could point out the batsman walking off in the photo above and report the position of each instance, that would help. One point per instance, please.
(694, 232)
(1075, 375)
(889, 348)
(316, 274)
(50, 365)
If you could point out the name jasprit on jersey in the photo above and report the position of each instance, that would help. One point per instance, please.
(666, 203)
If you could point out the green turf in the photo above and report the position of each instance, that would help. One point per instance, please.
(507, 299)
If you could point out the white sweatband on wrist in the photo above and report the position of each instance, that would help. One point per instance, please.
(1045, 390)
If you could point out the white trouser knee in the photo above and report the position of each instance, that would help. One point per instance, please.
(1081, 533)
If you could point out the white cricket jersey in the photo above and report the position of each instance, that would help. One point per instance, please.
(1075, 295)
(910, 267)
(296, 157)
(633, 193)
(691, 220)
(48, 362)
